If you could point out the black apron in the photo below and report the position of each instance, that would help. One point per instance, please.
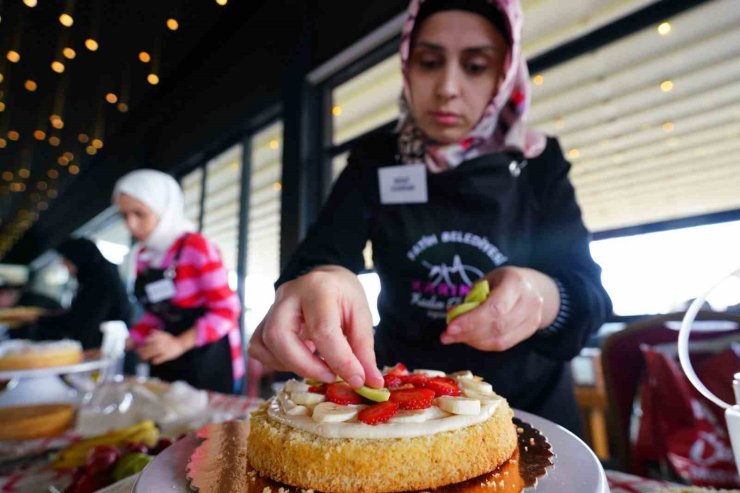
(479, 216)
(207, 367)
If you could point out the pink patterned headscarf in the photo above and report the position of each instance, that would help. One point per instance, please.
(502, 125)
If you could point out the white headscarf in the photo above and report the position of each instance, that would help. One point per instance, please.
(163, 195)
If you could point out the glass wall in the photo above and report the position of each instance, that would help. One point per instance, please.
(221, 206)
(263, 231)
(192, 186)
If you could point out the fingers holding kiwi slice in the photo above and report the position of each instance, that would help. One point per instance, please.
(477, 295)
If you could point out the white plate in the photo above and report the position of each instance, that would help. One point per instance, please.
(576, 468)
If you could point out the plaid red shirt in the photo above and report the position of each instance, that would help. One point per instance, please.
(201, 281)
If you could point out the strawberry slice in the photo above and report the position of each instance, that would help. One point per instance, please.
(342, 394)
(318, 389)
(378, 413)
(392, 381)
(417, 380)
(398, 369)
(413, 398)
(443, 386)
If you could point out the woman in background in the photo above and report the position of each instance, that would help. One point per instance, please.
(190, 329)
(100, 296)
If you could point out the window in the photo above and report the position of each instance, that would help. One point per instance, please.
(192, 186)
(221, 206)
(263, 231)
(367, 101)
(650, 122)
(660, 272)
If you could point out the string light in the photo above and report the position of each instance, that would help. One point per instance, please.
(2, 106)
(664, 28)
(97, 143)
(336, 110)
(111, 98)
(538, 80)
(153, 79)
(83, 138)
(57, 66)
(74, 169)
(13, 56)
(69, 53)
(222, 2)
(30, 85)
(145, 57)
(54, 141)
(53, 174)
(39, 135)
(91, 44)
(122, 107)
(666, 86)
(273, 144)
(172, 24)
(91, 150)
(66, 20)
(30, 3)
(13, 135)
(24, 173)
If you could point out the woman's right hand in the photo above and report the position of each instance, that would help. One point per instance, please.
(320, 326)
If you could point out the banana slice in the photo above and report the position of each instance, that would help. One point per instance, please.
(307, 398)
(285, 403)
(462, 375)
(430, 373)
(293, 385)
(328, 412)
(477, 386)
(419, 415)
(459, 405)
(297, 410)
(472, 394)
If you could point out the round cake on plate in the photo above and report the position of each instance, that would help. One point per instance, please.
(424, 430)
(22, 354)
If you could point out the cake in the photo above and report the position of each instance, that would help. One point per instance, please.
(22, 354)
(433, 429)
(35, 421)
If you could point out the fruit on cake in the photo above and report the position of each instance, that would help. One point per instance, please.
(423, 430)
(22, 354)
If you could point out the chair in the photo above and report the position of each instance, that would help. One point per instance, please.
(623, 368)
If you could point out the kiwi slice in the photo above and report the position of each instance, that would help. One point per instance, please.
(375, 395)
(479, 292)
(458, 310)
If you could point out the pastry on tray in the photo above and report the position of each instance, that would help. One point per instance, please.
(22, 354)
(424, 430)
(35, 421)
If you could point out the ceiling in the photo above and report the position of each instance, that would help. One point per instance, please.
(56, 118)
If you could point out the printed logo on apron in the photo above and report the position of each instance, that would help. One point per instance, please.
(447, 281)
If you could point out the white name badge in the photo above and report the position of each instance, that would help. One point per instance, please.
(161, 290)
(404, 184)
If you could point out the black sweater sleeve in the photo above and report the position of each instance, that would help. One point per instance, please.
(339, 234)
(561, 250)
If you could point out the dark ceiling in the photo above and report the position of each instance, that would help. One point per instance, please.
(221, 65)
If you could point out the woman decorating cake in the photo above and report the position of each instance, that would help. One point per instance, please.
(461, 191)
(189, 330)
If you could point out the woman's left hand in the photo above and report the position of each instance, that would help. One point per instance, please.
(521, 302)
(161, 347)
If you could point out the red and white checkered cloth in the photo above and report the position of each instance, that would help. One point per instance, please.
(620, 482)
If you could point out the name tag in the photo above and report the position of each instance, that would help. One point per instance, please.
(404, 184)
(161, 290)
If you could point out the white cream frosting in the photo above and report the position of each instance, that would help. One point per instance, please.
(437, 421)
